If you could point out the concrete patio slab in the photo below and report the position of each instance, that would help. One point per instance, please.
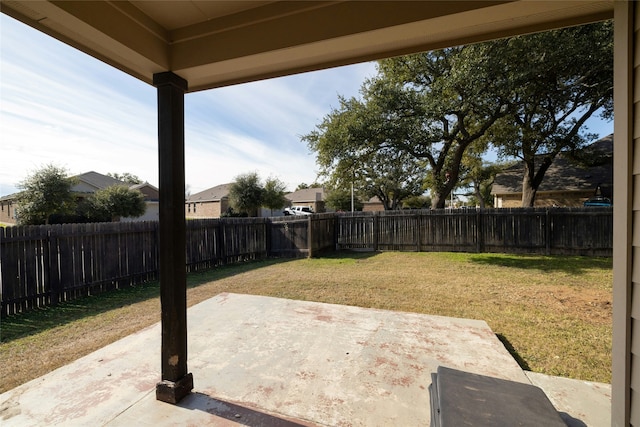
(273, 362)
(579, 402)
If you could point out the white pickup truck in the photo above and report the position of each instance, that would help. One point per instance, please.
(298, 210)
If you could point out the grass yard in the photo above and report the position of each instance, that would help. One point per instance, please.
(552, 313)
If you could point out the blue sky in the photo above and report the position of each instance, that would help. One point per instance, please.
(60, 106)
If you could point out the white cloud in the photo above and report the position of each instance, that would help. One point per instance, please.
(257, 126)
(63, 107)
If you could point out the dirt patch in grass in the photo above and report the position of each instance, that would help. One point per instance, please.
(552, 313)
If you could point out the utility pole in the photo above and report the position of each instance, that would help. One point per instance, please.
(352, 204)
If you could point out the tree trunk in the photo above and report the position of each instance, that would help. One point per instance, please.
(438, 200)
(532, 180)
(528, 194)
(479, 196)
(529, 189)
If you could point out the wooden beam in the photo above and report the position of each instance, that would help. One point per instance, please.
(176, 381)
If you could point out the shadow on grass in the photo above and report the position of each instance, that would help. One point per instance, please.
(354, 254)
(523, 363)
(198, 278)
(40, 320)
(569, 264)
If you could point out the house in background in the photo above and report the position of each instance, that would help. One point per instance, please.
(312, 197)
(214, 201)
(8, 209)
(87, 184)
(566, 183)
(374, 204)
(151, 199)
(90, 182)
(209, 203)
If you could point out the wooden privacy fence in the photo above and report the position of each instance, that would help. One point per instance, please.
(45, 265)
(547, 231)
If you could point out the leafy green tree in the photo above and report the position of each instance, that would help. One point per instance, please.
(564, 77)
(230, 213)
(391, 176)
(427, 109)
(304, 185)
(417, 202)
(478, 175)
(126, 177)
(273, 194)
(44, 193)
(115, 202)
(246, 193)
(526, 95)
(340, 200)
(353, 149)
(440, 104)
(86, 211)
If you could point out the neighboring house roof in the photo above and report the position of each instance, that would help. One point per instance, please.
(564, 174)
(314, 194)
(90, 182)
(8, 198)
(213, 194)
(151, 193)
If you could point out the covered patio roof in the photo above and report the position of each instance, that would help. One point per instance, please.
(217, 43)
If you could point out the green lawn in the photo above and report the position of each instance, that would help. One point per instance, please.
(552, 313)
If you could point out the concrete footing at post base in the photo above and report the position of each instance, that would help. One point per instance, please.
(173, 392)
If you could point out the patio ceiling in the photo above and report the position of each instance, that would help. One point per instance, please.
(217, 43)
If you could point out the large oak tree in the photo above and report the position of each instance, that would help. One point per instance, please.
(440, 104)
(353, 150)
(525, 95)
(426, 108)
(563, 78)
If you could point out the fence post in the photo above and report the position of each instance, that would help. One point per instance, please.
(375, 231)
(310, 236)
(479, 231)
(3, 278)
(221, 242)
(336, 230)
(418, 232)
(52, 267)
(547, 233)
(268, 229)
